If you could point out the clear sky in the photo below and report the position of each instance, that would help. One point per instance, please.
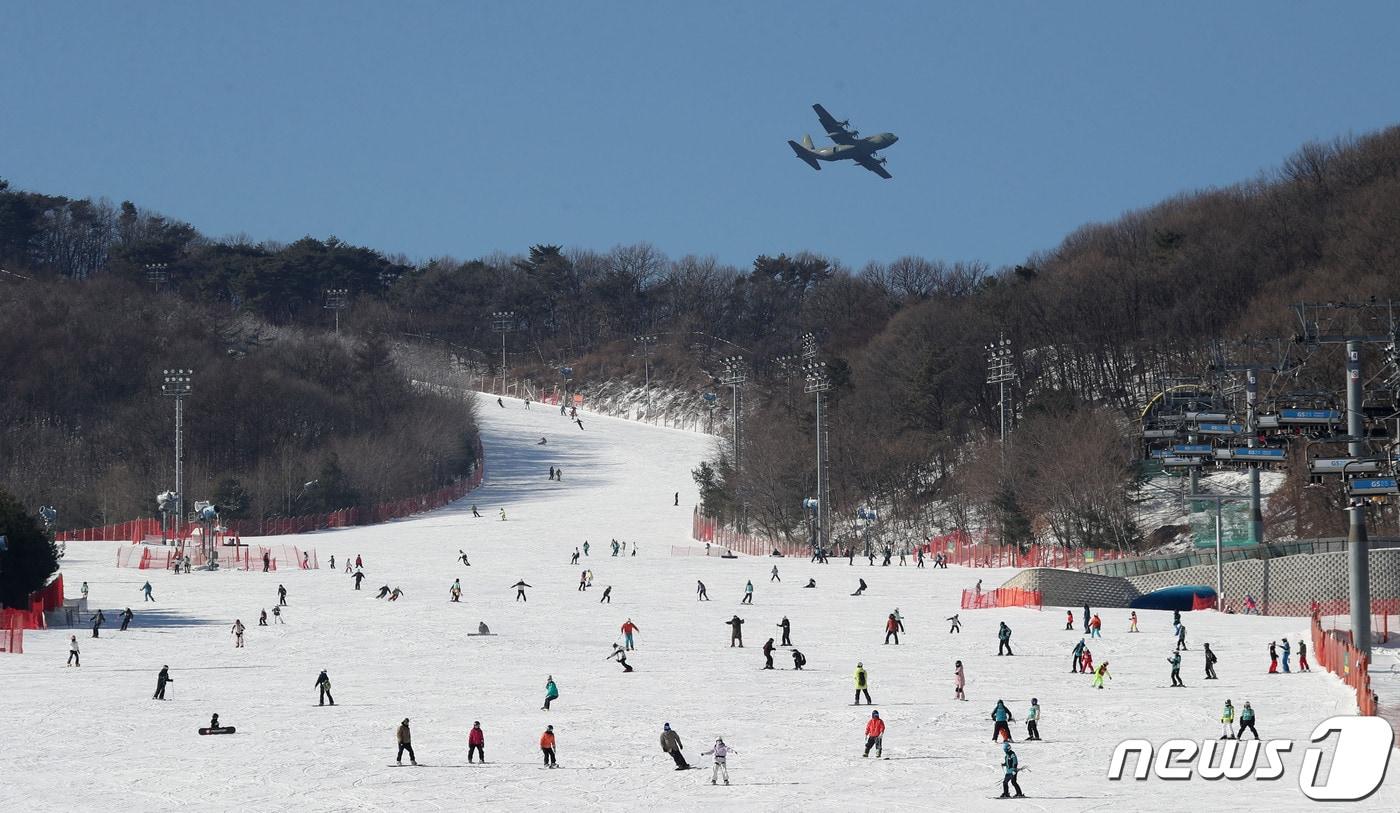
(465, 128)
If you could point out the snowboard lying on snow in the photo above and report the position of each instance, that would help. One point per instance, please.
(228, 729)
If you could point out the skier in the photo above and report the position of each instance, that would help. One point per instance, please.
(503, 515)
(1247, 721)
(736, 632)
(774, 576)
(860, 589)
(1004, 637)
(862, 684)
(671, 744)
(700, 593)
(358, 577)
(748, 593)
(899, 619)
(476, 743)
(607, 595)
(798, 660)
(84, 591)
(1287, 650)
(1175, 661)
(579, 421)
(768, 654)
(383, 591)
(620, 655)
(551, 692)
(1227, 721)
(786, 627)
(1033, 720)
(1095, 625)
(501, 403)
(1132, 619)
(614, 547)
(892, 629)
(73, 659)
(1069, 619)
(1210, 663)
(262, 618)
(98, 619)
(332, 561)
(582, 580)
(359, 563)
(394, 596)
(281, 595)
(527, 403)
(1302, 655)
(161, 679)
(1086, 661)
(347, 565)
(919, 557)
(721, 752)
(1001, 717)
(456, 590)
(146, 588)
(267, 561)
(959, 681)
(874, 735)
(1076, 657)
(627, 629)
(678, 499)
(237, 634)
(1086, 618)
(1181, 637)
(1010, 763)
(574, 559)
(956, 624)
(547, 747)
(127, 615)
(475, 512)
(520, 590)
(1100, 675)
(585, 547)
(305, 562)
(323, 682)
(462, 557)
(277, 615)
(405, 740)
(1273, 659)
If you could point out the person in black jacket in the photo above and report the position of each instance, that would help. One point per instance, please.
(786, 627)
(736, 632)
(1210, 663)
(768, 654)
(162, 679)
(323, 682)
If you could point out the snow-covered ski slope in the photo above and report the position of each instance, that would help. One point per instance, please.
(91, 738)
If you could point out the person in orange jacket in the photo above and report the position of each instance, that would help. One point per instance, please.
(1095, 627)
(547, 746)
(874, 735)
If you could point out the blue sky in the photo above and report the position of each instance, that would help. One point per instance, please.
(463, 128)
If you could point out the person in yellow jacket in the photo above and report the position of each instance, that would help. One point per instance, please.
(862, 685)
(1227, 722)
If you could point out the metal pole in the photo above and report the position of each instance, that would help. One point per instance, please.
(179, 463)
(1358, 553)
(1256, 516)
(1001, 400)
(1219, 563)
(821, 498)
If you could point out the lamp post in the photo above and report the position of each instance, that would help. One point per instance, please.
(157, 274)
(177, 384)
(1219, 500)
(734, 375)
(337, 299)
(818, 382)
(503, 322)
(646, 345)
(999, 372)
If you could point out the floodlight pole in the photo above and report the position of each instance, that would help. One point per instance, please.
(503, 322)
(818, 382)
(646, 345)
(999, 372)
(336, 301)
(156, 274)
(177, 384)
(1219, 500)
(735, 375)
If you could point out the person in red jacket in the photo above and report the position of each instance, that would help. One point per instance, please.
(476, 743)
(874, 735)
(892, 629)
(627, 630)
(547, 747)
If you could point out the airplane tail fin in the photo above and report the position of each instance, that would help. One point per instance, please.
(807, 142)
(805, 153)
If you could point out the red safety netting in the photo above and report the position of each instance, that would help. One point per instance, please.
(14, 621)
(230, 556)
(707, 530)
(1333, 650)
(1000, 597)
(11, 632)
(961, 548)
(138, 530)
(1200, 602)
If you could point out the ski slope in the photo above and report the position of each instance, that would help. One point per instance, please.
(91, 738)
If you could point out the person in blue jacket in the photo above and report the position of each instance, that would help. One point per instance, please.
(1012, 767)
(1001, 717)
(1076, 657)
(1004, 639)
(1287, 651)
(551, 692)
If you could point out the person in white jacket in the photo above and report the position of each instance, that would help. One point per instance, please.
(73, 657)
(721, 751)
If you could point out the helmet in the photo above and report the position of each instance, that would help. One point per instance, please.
(666, 726)
(1006, 746)
(859, 664)
(1034, 700)
(874, 714)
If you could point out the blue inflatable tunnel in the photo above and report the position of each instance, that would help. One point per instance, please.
(1181, 598)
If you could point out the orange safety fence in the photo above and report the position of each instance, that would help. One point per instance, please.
(14, 621)
(708, 530)
(1200, 602)
(1333, 651)
(1000, 597)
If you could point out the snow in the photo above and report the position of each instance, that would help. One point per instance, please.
(91, 738)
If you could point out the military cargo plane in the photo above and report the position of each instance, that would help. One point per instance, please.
(849, 145)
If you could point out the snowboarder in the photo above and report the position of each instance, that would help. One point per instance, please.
(277, 615)
(476, 743)
(456, 590)
(1004, 640)
(628, 629)
(475, 512)
(98, 619)
(1302, 656)
(73, 659)
(700, 593)
(1210, 663)
(262, 618)
(281, 595)
(1132, 622)
(862, 684)
(462, 557)
(956, 624)
(1273, 659)
(874, 735)
(607, 595)
(1033, 720)
(127, 615)
(1175, 661)
(671, 744)
(1076, 657)
(520, 590)
(1001, 721)
(574, 559)
(748, 593)
(1181, 637)
(358, 577)
(891, 629)
(1287, 651)
(161, 679)
(1100, 675)
(774, 576)
(768, 654)
(721, 752)
(1010, 763)
(959, 681)
(482, 629)
(786, 627)
(1069, 619)
(860, 589)
(146, 588)
(237, 634)
(620, 655)
(405, 740)
(323, 682)
(585, 547)
(1227, 721)
(798, 660)
(551, 692)
(1247, 721)
(547, 747)
(394, 596)
(811, 583)
(736, 632)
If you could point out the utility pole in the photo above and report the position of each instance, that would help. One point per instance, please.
(818, 382)
(734, 375)
(157, 274)
(1251, 400)
(177, 384)
(337, 299)
(646, 345)
(1219, 500)
(503, 322)
(999, 372)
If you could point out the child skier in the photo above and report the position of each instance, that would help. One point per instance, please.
(1132, 622)
(956, 625)
(959, 681)
(1095, 627)
(798, 660)
(892, 629)
(1273, 659)
(1175, 661)
(237, 634)
(1302, 655)
(1001, 717)
(721, 752)
(1033, 720)
(1227, 721)
(874, 735)
(456, 590)
(1086, 661)
(1011, 764)
(476, 743)
(1100, 675)
(1069, 619)
(547, 747)
(1247, 721)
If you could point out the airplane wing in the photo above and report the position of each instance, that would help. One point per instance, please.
(874, 166)
(835, 130)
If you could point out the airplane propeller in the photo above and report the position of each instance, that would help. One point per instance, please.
(881, 160)
(847, 123)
